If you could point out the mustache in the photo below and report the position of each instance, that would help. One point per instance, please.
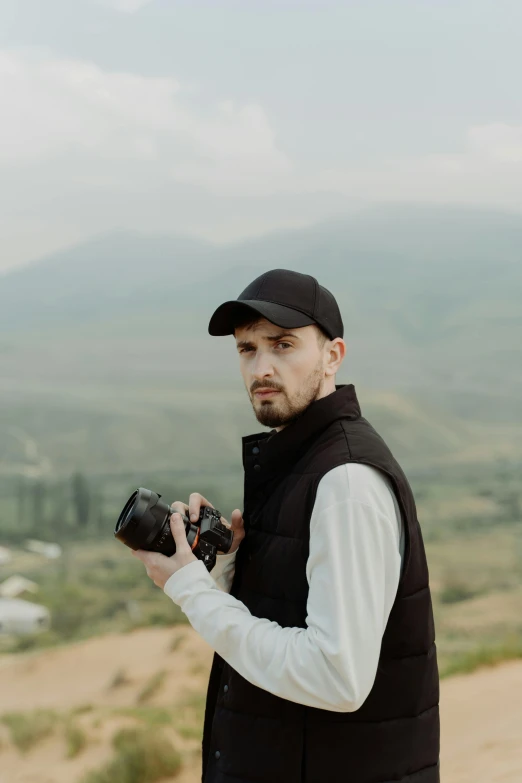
(257, 386)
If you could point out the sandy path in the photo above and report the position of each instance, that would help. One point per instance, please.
(81, 673)
(481, 713)
(482, 726)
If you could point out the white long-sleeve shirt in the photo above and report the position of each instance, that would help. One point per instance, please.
(353, 570)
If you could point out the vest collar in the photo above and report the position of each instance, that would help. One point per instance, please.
(267, 452)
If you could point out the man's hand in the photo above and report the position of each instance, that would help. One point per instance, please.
(160, 567)
(196, 501)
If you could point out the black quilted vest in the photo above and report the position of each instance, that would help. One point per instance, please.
(252, 736)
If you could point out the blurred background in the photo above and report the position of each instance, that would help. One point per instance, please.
(157, 156)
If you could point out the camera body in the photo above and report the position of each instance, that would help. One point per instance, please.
(144, 523)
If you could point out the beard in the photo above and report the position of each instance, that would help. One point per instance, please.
(284, 410)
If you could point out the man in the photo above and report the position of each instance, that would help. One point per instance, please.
(325, 668)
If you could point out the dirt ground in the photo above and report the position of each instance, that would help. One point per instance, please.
(481, 712)
(481, 724)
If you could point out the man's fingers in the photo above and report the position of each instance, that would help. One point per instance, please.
(179, 506)
(195, 502)
(149, 559)
(177, 527)
(237, 519)
(238, 529)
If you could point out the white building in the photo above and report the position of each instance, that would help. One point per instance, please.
(22, 617)
(51, 551)
(16, 585)
(5, 555)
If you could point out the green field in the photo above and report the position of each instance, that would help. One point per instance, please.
(472, 525)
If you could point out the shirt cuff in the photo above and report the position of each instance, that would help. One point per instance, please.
(188, 580)
(225, 557)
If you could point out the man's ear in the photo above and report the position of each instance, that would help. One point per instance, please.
(336, 354)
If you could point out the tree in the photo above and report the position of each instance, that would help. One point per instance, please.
(81, 498)
(21, 501)
(38, 511)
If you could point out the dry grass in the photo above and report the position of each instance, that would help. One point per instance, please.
(29, 728)
(508, 649)
(140, 756)
(75, 739)
(152, 686)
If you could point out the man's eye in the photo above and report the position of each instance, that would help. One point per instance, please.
(245, 350)
(287, 344)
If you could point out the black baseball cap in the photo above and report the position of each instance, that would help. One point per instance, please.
(285, 298)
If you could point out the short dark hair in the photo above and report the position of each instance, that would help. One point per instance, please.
(246, 320)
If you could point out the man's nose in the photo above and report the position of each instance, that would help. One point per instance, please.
(262, 366)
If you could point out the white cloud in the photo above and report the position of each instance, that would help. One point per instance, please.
(126, 6)
(84, 150)
(488, 171)
(497, 142)
(107, 129)
(72, 111)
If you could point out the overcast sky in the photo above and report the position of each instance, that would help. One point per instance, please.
(223, 119)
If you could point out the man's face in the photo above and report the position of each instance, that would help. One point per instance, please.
(287, 362)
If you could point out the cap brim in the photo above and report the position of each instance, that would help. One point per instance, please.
(222, 321)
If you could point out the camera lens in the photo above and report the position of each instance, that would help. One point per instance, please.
(144, 523)
(126, 514)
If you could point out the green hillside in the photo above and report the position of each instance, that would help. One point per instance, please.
(106, 362)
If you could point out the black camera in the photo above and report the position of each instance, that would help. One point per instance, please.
(144, 523)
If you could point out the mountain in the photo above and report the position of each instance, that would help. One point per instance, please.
(97, 277)
(431, 299)
(447, 257)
